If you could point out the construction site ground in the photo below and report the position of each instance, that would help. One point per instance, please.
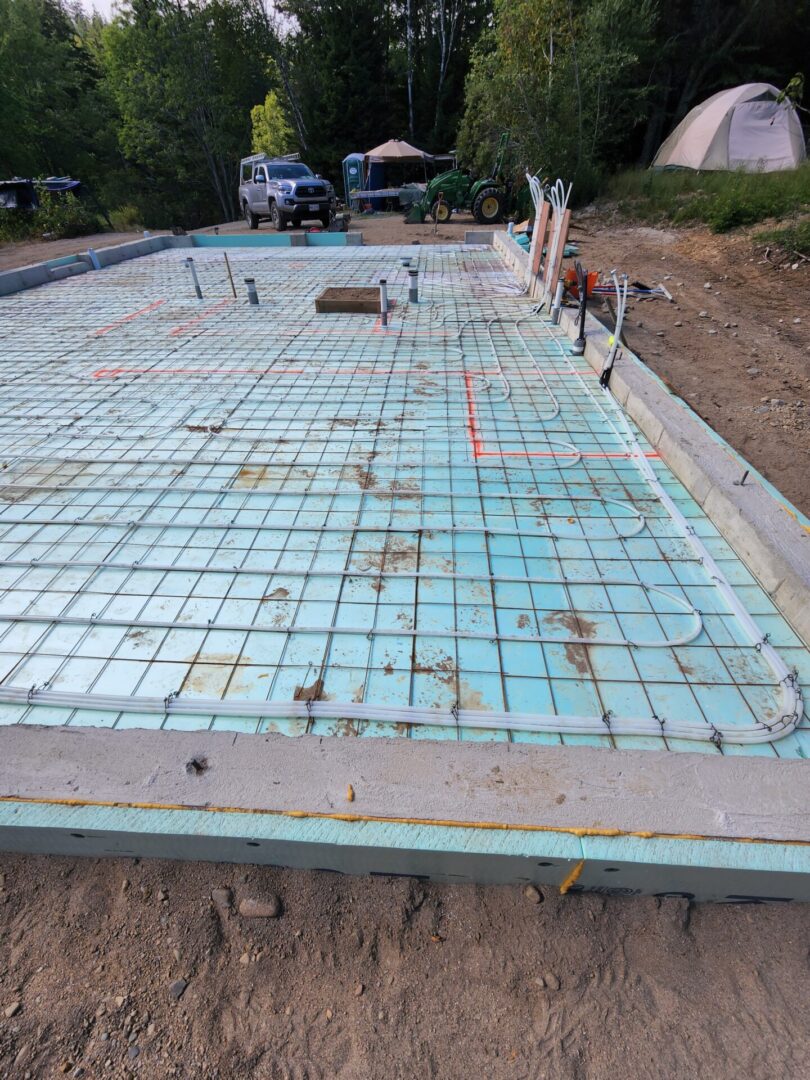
(120, 967)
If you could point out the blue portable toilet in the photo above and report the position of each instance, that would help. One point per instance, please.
(352, 175)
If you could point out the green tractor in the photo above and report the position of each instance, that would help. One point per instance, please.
(488, 199)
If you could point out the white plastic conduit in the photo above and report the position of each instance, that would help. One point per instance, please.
(292, 628)
(791, 708)
(558, 196)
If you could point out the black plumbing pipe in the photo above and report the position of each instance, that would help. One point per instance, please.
(578, 348)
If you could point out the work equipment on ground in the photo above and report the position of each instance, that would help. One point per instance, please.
(488, 198)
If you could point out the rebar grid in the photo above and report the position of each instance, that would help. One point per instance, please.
(265, 509)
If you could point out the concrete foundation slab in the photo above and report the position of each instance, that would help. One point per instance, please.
(522, 633)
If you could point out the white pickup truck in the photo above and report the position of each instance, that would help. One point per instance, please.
(287, 192)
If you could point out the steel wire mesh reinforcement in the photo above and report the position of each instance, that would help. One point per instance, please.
(258, 518)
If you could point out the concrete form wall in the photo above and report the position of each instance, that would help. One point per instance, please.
(28, 277)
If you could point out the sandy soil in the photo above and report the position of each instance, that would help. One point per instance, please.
(735, 344)
(33, 251)
(124, 968)
(360, 979)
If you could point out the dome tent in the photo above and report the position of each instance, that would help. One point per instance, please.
(742, 128)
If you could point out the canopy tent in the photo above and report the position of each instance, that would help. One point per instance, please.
(365, 174)
(742, 128)
(397, 150)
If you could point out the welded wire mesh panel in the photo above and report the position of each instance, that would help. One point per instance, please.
(260, 518)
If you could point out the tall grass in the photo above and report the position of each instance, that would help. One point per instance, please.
(792, 238)
(721, 200)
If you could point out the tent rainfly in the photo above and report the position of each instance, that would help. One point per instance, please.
(742, 128)
(397, 150)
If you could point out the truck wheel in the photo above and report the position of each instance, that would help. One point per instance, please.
(326, 220)
(250, 217)
(441, 211)
(488, 206)
(277, 218)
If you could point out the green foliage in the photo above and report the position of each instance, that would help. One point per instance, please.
(184, 79)
(794, 239)
(60, 216)
(15, 225)
(567, 81)
(358, 72)
(54, 116)
(126, 219)
(57, 217)
(341, 77)
(721, 200)
(588, 85)
(153, 109)
(271, 133)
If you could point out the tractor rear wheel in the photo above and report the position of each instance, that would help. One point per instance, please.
(441, 211)
(488, 206)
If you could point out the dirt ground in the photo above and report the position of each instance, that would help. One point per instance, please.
(33, 251)
(126, 968)
(365, 978)
(735, 344)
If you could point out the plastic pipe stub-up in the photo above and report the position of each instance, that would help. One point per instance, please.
(384, 301)
(413, 286)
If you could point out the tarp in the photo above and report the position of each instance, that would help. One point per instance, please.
(18, 194)
(21, 194)
(742, 128)
(397, 150)
(60, 183)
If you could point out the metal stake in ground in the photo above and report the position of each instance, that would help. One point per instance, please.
(193, 269)
(230, 275)
(253, 296)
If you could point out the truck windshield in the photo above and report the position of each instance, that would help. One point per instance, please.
(288, 171)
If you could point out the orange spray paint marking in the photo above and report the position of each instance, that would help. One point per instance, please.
(128, 318)
(472, 421)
